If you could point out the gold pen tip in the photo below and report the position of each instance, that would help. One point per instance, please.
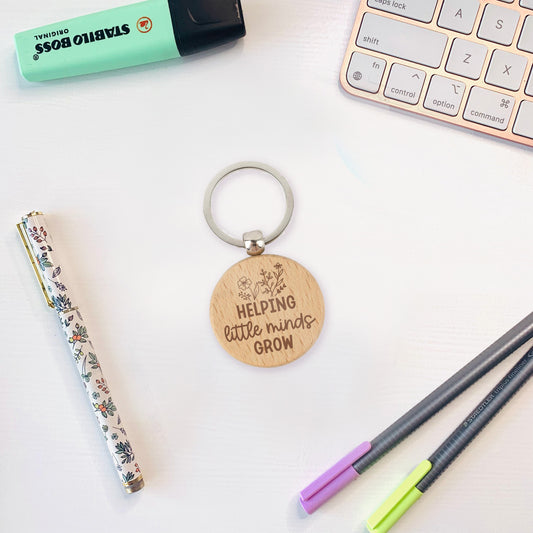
(135, 485)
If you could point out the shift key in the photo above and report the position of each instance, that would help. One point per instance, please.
(402, 40)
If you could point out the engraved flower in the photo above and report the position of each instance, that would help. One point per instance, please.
(244, 283)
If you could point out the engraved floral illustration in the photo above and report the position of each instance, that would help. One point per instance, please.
(270, 283)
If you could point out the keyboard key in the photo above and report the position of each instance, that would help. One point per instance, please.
(489, 108)
(527, 3)
(413, 9)
(444, 95)
(498, 24)
(506, 70)
(405, 84)
(365, 72)
(403, 40)
(466, 58)
(524, 120)
(529, 86)
(526, 37)
(458, 15)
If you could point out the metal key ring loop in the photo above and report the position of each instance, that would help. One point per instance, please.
(238, 166)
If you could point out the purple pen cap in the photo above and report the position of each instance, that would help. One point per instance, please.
(333, 480)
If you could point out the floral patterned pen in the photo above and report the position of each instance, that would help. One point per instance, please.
(41, 250)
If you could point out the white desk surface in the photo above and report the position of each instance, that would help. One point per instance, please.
(418, 233)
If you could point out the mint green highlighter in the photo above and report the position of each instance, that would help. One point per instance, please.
(135, 34)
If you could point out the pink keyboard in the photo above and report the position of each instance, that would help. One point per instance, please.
(465, 62)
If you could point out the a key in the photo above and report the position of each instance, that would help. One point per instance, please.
(444, 95)
(466, 58)
(506, 70)
(489, 108)
(526, 37)
(365, 72)
(403, 40)
(458, 15)
(529, 86)
(413, 9)
(524, 120)
(405, 83)
(498, 24)
(527, 3)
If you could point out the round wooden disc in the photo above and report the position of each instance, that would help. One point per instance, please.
(267, 310)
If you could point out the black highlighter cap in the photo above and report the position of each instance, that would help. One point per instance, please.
(202, 24)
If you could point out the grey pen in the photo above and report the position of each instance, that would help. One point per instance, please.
(429, 470)
(366, 454)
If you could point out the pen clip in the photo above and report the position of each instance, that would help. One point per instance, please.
(24, 236)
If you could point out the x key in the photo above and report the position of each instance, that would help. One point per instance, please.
(506, 70)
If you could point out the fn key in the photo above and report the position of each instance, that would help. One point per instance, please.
(365, 72)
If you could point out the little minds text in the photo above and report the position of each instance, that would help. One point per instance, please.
(245, 331)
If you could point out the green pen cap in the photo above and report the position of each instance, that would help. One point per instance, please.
(153, 30)
(399, 501)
